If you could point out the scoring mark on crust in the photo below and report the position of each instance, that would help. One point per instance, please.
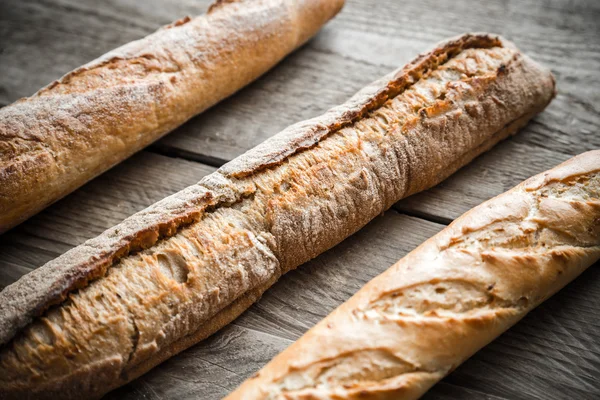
(173, 266)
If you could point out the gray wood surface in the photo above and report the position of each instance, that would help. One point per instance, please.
(553, 353)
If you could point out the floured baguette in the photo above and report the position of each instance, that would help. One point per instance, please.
(103, 112)
(410, 326)
(176, 272)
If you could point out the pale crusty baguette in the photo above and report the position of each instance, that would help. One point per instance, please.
(101, 113)
(176, 272)
(416, 322)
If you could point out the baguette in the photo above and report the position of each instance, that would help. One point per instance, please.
(101, 113)
(176, 272)
(413, 324)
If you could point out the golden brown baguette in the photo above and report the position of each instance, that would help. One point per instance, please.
(174, 273)
(101, 113)
(410, 326)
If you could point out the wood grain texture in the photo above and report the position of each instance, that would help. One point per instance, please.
(553, 353)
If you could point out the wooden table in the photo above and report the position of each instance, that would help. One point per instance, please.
(552, 353)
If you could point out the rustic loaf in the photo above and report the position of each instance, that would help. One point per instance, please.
(410, 326)
(176, 272)
(101, 113)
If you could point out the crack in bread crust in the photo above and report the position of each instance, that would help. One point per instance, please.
(351, 370)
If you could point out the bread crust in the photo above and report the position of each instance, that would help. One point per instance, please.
(413, 324)
(101, 113)
(270, 210)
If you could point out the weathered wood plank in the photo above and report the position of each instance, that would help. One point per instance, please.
(508, 164)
